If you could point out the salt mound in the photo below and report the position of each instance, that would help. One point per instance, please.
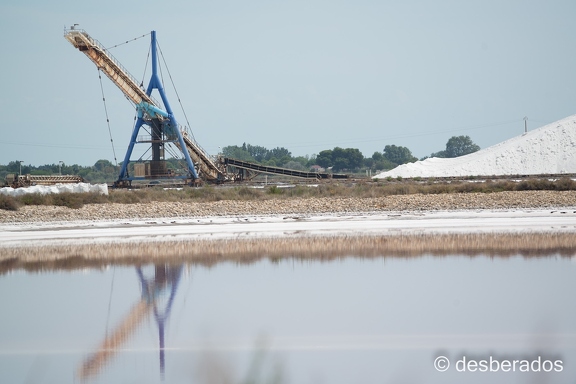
(550, 149)
(58, 188)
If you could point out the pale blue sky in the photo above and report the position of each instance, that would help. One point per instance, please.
(307, 75)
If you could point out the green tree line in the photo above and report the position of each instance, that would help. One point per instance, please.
(335, 160)
(345, 159)
(103, 171)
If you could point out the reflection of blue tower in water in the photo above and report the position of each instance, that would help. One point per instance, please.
(159, 292)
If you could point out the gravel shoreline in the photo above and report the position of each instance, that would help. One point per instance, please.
(323, 205)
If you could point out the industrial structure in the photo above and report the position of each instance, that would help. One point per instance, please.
(16, 180)
(156, 128)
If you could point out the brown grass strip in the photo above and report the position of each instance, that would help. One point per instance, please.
(210, 252)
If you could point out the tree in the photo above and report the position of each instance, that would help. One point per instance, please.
(102, 165)
(311, 160)
(441, 154)
(340, 158)
(377, 156)
(379, 162)
(236, 152)
(303, 160)
(340, 163)
(324, 158)
(14, 167)
(294, 165)
(355, 158)
(257, 152)
(279, 154)
(460, 146)
(398, 155)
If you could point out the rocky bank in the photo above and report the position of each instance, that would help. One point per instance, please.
(283, 206)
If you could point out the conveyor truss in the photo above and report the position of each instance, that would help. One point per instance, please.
(163, 129)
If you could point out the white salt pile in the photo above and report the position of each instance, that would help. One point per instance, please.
(550, 149)
(58, 188)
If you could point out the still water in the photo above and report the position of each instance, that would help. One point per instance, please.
(369, 320)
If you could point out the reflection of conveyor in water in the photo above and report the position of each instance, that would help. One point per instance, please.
(247, 170)
(158, 294)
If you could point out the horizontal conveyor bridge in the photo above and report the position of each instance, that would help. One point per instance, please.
(280, 171)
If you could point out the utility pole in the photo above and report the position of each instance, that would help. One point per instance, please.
(20, 161)
(60, 167)
(525, 124)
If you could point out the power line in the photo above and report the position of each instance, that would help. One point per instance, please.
(176, 91)
(52, 145)
(301, 144)
(107, 118)
(127, 41)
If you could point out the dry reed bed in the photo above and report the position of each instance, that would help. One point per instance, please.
(206, 252)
